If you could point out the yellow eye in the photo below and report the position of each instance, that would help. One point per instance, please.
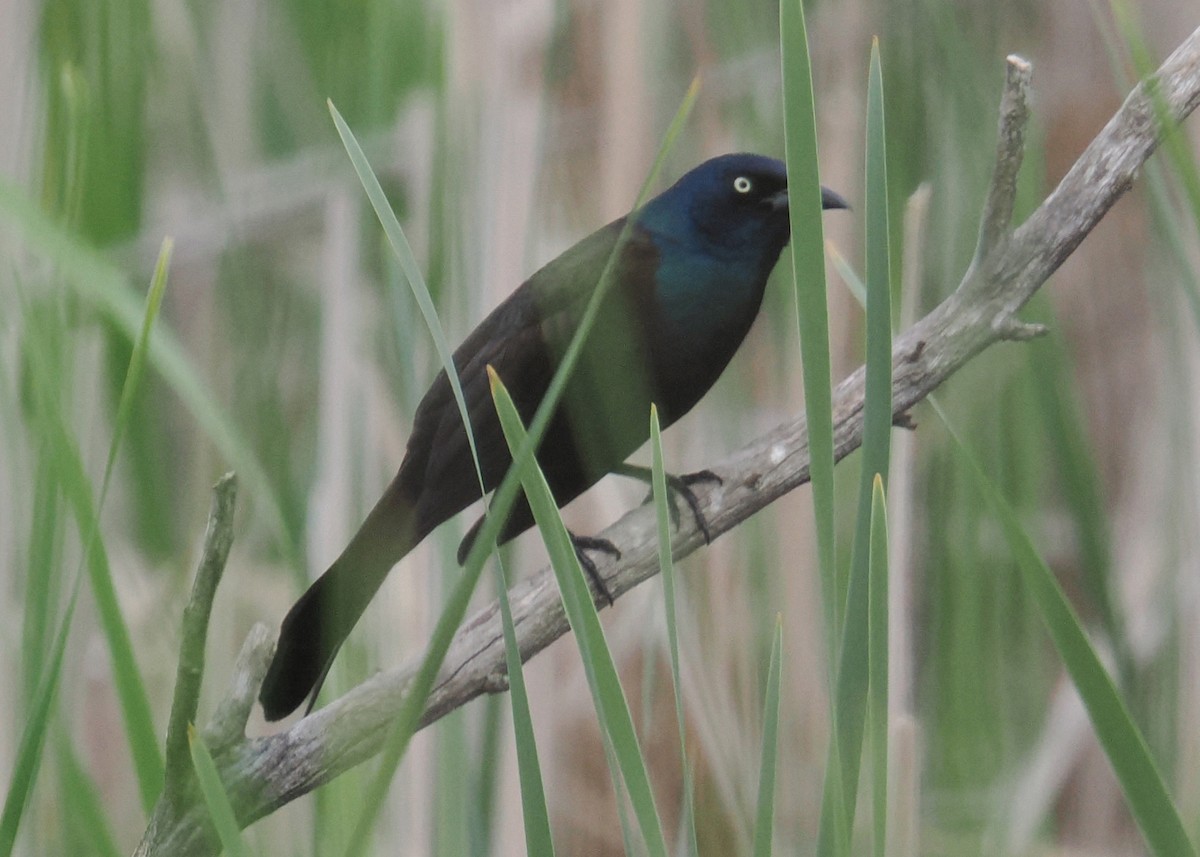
(742, 184)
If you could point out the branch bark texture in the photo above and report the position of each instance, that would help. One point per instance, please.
(263, 774)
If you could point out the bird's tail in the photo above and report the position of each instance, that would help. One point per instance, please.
(320, 621)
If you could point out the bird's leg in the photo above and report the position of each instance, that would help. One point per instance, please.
(591, 543)
(679, 486)
(581, 544)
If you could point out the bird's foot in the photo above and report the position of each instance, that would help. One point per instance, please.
(679, 486)
(592, 543)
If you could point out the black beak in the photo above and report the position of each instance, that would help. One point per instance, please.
(830, 199)
(778, 201)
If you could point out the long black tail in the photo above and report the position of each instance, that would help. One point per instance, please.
(316, 626)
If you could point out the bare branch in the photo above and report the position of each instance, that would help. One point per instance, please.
(218, 538)
(1013, 329)
(1010, 150)
(228, 723)
(262, 774)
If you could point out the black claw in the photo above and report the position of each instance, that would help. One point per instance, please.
(679, 486)
(587, 543)
(701, 476)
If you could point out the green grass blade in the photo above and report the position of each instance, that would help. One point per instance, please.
(688, 822)
(533, 799)
(854, 658)
(806, 250)
(878, 705)
(408, 718)
(612, 709)
(486, 783)
(1123, 742)
(33, 737)
(1051, 375)
(853, 283)
(667, 565)
(43, 576)
(131, 690)
(97, 282)
(629, 841)
(764, 825)
(406, 259)
(535, 813)
(67, 464)
(215, 797)
(85, 814)
(1167, 226)
(1175, 141)
(451, 792)
(137, 360)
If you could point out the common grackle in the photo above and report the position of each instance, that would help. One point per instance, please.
(687, 286)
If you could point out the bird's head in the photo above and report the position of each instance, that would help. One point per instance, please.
(734, 203)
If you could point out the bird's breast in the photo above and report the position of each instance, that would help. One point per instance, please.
(707, 307)
(701, 314)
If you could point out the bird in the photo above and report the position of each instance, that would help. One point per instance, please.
(686, 285)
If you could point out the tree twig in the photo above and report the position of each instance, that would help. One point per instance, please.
(227, 725)
(262, 774)
(218, 538)
(996, 222)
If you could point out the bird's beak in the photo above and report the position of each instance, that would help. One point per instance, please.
(830, 199)
(778, 201)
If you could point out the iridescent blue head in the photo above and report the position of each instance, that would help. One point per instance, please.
(734, 205)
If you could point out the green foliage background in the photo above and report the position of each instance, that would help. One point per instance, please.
(288, 349)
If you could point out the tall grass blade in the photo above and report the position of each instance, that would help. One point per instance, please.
(27, 761)
(43, 576)
(486, 783)
(1175, 141)
(878, 711)
(806, 252)
(102, 286)
(406, 259)
(533, 800)
(131, 690)
(629, 841)
(854, 657)
(1123, 742)
(764, 825)
(667, 565)
(538, 840)
(85, 813)
(138, 359)
(1051, 375)
(612, 709)
(220, 810)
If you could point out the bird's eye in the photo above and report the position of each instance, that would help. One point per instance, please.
(742, 184)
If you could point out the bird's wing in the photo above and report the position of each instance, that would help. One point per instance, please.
(521, 360)
(519, 340)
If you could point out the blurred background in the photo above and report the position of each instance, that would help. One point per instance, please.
(504, 131)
